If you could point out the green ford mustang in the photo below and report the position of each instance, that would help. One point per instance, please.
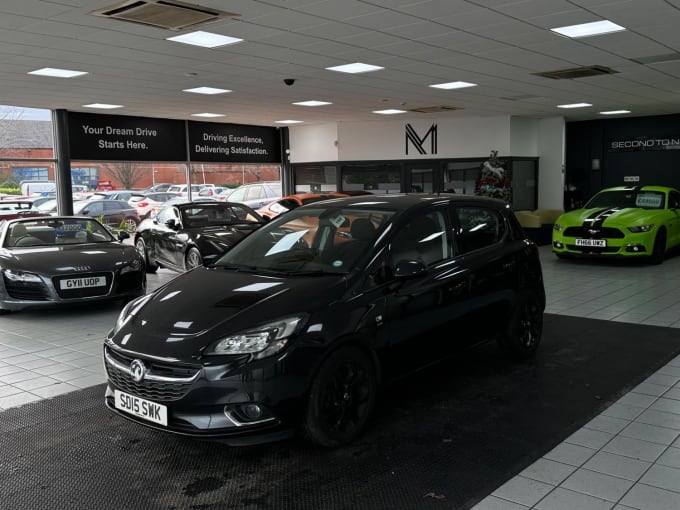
(641, 221)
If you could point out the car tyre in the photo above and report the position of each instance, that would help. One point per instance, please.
(130, 224)
(522, 334)
(659, 250)
(341, 398)
(140, 245)
(193, 259)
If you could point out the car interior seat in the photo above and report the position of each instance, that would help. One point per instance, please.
(362, 233)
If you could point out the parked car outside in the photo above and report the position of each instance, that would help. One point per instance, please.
(48, 261)
(118, 194)
(161, 186)
(296, 326)
(621, 222)
(144, 204)
(182, 189)
(210, 191)
(10, 209)
(290, 202)
(114, 213)
(184, 235)
(255, 194)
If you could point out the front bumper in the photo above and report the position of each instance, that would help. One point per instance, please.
(625, 246)
(234, 402)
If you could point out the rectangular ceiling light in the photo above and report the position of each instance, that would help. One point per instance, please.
(312, 103)
(615, 112)
(103, 106)
(389, 111)
(453, 85)
(589, 29)
(57, 73)
(204, 39)
(355, 68)
(289, 121)
(207, 114)
(574, 105)
(207, 90)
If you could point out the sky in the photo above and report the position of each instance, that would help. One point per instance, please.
(20, 113)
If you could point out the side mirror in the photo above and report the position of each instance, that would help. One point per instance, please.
(171, 223)
(406, 269)
(122, 235)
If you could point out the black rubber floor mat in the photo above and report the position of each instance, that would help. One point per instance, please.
(442, 438)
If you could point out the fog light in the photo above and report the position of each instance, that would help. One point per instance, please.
(558, 244)
(252, 411)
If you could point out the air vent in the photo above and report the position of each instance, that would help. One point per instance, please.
(657, 59)
(576, 72)
(171, 15)
(435, 109)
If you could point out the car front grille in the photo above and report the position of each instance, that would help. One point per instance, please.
(83, 292)
(28, 291)
(594, 233)
(175, 380)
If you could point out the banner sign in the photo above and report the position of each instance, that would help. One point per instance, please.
(661, 143)
(211, 142)
(94, 137)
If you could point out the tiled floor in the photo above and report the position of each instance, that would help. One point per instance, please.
(629, 456)
(626, 458)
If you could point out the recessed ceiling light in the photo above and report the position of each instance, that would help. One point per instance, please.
(207, 90)
(312, 103)
(355, 68)
(207, 114)
(453, 85)
(574, 105)
(589, 29)
(204, 39)
(103, 106)
(57, 73)
(289, 121)
(389, 111)
(615, 112)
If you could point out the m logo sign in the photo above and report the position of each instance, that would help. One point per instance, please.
(412, 138)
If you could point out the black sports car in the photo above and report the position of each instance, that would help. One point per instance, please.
(296, 325)
(65, 259)
(184, 235)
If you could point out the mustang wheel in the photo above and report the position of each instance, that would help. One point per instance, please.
(140, 245)
(659, 252)
(193, 259)
(341, 398)
(522, 334)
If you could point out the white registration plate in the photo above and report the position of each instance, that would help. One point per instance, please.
(82, 283)
(595, 243)
(140, 407)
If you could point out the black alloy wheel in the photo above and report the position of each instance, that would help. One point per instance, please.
(193, 258)
(522, 335)
(341, 399)
(150, 267)
(659, 251)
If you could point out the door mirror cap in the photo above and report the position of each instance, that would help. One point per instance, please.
(409, 269)
(122, 235)
(171, 223)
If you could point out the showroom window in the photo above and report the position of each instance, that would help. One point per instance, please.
(377, 179)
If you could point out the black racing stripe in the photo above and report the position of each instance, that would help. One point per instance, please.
(588, 221)
(598, 218)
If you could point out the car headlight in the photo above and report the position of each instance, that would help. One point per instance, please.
(641, 228)
(262, 341)
(20, 276)
(558, 227)
(132, 267)
(129, 311)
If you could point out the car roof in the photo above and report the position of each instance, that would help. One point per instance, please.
(640, 188)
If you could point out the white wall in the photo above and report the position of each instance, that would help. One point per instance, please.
(551, 163)
(523, 137)
(314, 143)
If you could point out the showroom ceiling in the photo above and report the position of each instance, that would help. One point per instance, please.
(499, 45)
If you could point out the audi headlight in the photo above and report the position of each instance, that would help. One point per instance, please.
(262, 341)
(641, 228)
(20, 276)
(558, 227)
(132, 267)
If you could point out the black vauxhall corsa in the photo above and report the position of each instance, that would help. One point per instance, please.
(296, 325)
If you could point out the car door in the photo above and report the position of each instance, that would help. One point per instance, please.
(421, 319)
(113, 212)
(165, 237)
(491, 259)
